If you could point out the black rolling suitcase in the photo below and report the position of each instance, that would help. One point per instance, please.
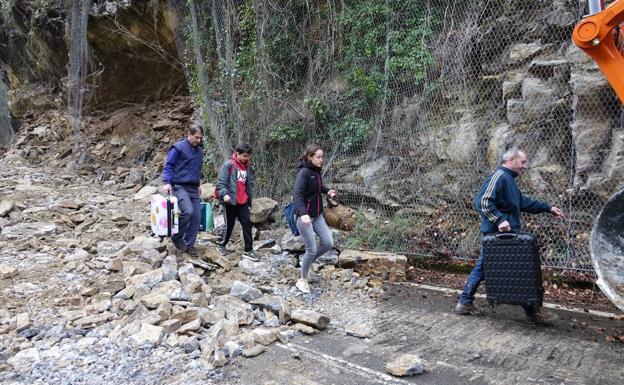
(511, 265)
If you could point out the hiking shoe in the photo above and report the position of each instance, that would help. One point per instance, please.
(251, 255)
(191, 251)
(222, 250)
(303, 285)
(468, 309)
(542, 317)
(179, 244)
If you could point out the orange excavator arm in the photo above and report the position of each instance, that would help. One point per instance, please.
(600, 37)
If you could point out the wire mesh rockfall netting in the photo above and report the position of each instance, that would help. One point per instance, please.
(413, 103)
(6, 130)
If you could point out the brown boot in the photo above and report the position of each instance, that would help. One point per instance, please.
(468, 309)
(542, 317)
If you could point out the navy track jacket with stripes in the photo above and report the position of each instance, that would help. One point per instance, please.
(500, 199)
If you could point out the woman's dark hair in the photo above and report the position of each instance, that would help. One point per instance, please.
(310, 151)
(243, 148)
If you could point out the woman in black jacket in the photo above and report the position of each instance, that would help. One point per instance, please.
(309, 211)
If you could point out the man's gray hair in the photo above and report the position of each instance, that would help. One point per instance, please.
(510, 154)
(194, 128)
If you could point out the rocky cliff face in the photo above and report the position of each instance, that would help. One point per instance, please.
(536, 88)
(133, 56)
(33, 47)
(528, 86)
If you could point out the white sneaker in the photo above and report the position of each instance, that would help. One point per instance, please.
(302, 285)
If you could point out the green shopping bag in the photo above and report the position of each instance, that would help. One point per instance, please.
(207, 221)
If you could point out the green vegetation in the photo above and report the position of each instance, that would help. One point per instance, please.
(41, 5)
(286, 133)
(396, 234)
(385, 42)
(350, 133)
(246, 52)
(5, 10)
(261, 56)
(286, 44)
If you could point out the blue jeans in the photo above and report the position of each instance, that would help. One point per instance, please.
(307, 232)
(474, 280)
(190, 215)
(472, 284)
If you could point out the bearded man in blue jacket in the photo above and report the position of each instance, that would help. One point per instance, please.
(499, 203)
(182, 175)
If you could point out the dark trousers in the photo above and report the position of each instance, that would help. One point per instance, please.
(242, 213)
(190, 216)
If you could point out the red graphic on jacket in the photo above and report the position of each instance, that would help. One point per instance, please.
(241, 181)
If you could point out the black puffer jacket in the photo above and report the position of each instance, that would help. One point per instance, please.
(308, 189)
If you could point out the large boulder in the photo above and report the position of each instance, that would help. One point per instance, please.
(263, 210)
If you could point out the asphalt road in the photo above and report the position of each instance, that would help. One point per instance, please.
(498, 348)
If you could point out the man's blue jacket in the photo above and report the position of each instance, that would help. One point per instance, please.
(500, 199)
(183, 164)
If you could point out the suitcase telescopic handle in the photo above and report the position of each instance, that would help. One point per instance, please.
(506, 235)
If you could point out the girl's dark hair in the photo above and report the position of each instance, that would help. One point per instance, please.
(310, 151)
(243, 148)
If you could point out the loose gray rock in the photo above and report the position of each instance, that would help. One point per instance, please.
(234, 349)
(219, 359)
(329, 258)
(169, 268)
(192, 326)
(94, 320)
(265, 336)
(270, 302)
(292, 243)
(26, 230)
(310, 318)
(254, 351)
(244, 291)
(149, 279)
(189, 344)
(170, 325)
(211, 317)
(264, 244)
(223, 330)
(208, 346)
(258, 269)
(145, 193)
(303, 328)
(108, 248)
(7, 272)
(22, 322)
(235, 309)
(149, 334)
(357, 330)
(153, 300)
(24, 360)
(172, 290)
(6, 207)
(186, 316)
(405, 365)
(263, 210)
(151, 257)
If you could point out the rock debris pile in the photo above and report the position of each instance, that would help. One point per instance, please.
(89, 296)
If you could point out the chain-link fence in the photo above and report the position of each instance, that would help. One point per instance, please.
(6, 129)
(413, 103)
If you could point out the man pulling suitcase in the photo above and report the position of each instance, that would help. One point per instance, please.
(499, 203)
